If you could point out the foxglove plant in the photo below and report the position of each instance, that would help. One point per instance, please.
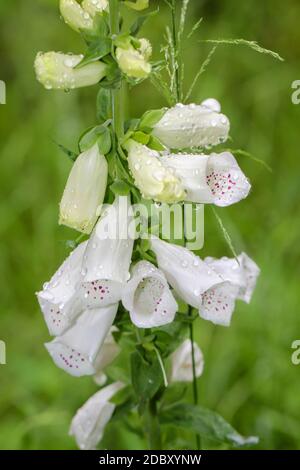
(121, 291)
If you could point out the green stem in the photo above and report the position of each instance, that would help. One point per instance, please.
(153, 427)
(117, 95)
(195, 387)
(176, 53)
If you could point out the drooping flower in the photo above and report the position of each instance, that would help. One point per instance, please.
(89, 423)
(58, 299)
(134, 61)
(77, 349)
(209, 179)
(195, 282)
(243, 272)
(154, 180)
(107, 259)
(84, 192)
(182, 364)
(148, 297)
(107, 354)
(186, 126)
(57, 71)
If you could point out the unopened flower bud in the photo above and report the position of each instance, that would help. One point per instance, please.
(153, 179)
(186, 126)
(81, 16)
(134, 62)
(84, 191)
(56, 70)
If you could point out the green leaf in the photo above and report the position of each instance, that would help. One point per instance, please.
(141, 137)
(206, 423)
(138, 5)
(104, 107)
(170, 336)
(146, 377)
(97, 50)
(72, 155)
(98, 134)
(152, 117)
(155, 144)
(104, 141)
(100, 30)
(120, 188)
(138, 24)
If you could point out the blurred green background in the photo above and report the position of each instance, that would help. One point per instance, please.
(249, 377)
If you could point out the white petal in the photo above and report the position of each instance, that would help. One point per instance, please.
(242, 272)
(182, 364)
(191, 169)
(107, 354)
(218, 303)
(76, 350)
(226, 180)
(109, 250)
(58, 300)
(189, 276)
(186, 126)
(89, 423)
(148, 298)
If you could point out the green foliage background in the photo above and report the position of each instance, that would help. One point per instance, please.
(249, 377)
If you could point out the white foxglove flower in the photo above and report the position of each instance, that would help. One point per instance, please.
(182, 364)
(185, 126)
(57, 71)
(135, 62)
(148, 298)
(242, 272)
(58, 300)
(106, 263)
(107, 354)
(210, 179)
(85, 190)
(77, 349)
(89, 423)
(150, 176)
(195, 282)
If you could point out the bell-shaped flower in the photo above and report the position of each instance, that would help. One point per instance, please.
(195, 282)
(57, 71)
(89, 423)
(134, 61)
(148, 298)
(107, 354)
(182, 363)
(186, 126)
(107, 259)
(242, 272)
(84, 192)
(209, 179)
(58, 299)
(154, 180)
(76, 350)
